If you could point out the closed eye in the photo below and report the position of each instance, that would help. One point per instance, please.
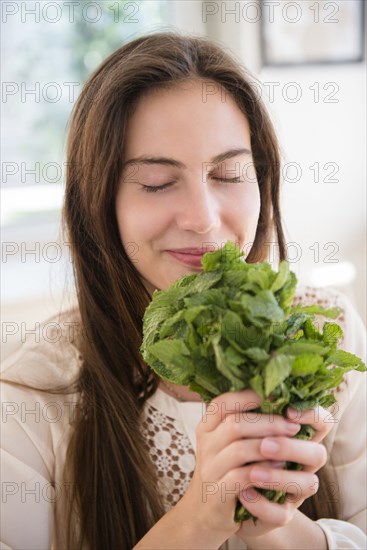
(155, 188)
(229, 180)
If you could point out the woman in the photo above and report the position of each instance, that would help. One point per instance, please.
(170, 153)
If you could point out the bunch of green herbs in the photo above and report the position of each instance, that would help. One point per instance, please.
(232, 326)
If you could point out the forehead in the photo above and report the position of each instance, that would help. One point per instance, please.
(191, 114)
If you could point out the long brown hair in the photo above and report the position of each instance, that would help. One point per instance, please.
(115, 495)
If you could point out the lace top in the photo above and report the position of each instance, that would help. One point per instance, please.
(169, 447)
(35, 451)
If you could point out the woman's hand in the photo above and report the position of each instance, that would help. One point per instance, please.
(230, 438)
(298, 485)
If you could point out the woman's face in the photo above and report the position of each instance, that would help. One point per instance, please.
(189, 182)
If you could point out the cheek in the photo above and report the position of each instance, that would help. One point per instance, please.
(127, 217)
(247, 209)
(138, 221)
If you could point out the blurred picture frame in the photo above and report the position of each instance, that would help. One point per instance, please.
(312, 32)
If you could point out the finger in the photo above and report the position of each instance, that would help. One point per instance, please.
(227, 403)
(237, 479)
(251, 425)
(237, 454)
(308, 453)
(298, 485)
(319, 418)
(266, 511)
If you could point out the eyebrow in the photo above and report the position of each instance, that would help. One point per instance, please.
(146, 159)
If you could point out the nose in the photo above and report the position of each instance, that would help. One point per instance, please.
(199, 211)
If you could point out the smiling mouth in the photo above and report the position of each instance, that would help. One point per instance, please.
(192, 259)
(195, 251)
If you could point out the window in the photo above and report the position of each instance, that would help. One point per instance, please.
(48, 50)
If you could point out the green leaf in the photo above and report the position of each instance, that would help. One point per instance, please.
(346, 360)
(225, 256)
(205, 282)
(295, 322)
(304, 405)
(232, 327)
(259, 277)
(331, 333)
(257, 384)
(262, 307)
(168, 326)
(192, 313)
(276, 406)
(281, 277)
(332, 313)
(285, 295)
(207, 394)
(302, 347)
(311, 331)
(276, 370)
(151, 322)
(211, 297)
(328, 378)
(182, 282)
(306, 432)
(257, 355)
(224, 367)
(234, 359)
(208, 387)
(306, 364)
(236, 278)
(327, 400)
(175, 355)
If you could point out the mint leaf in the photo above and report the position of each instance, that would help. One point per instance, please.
(263, 307)
(331, 333)
(276, 371)
(301, 347)
(346, 360)
(332, 313)
(223, 257)
(281, 277)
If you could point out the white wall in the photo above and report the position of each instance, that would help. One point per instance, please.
(325, 125)
(313, 130)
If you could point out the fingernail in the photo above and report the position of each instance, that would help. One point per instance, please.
(277, 464)
(294, 414)
(270, 446)
(292, 428)
(259, 474)
(250, 494)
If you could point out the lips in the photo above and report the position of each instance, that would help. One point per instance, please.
(189, 256)
(194, 251)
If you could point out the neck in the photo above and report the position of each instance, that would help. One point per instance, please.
(181, 393)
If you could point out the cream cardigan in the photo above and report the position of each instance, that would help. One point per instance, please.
(36, 428)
